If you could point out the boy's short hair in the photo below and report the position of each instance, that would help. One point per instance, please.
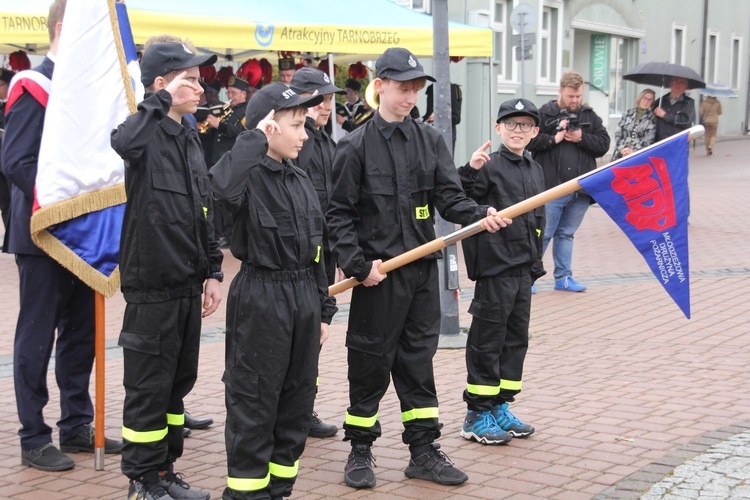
(276, 97)
(163, 58)
(6, 75)
(56, 14)
(353, 84)
(518, 107)
(311, 79)
(572, 79)
(399, 64)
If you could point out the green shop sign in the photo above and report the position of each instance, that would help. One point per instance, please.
(600, 61)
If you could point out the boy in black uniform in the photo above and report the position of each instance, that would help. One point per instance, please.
(278, 309)
(316, 160)
(390, 176)
(167, 252)
(504, 265)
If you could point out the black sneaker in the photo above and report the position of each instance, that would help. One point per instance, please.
(84, 441)
(320, 429)
(147, 491)
(358, 472)
(177, 488)
(435, 466)
(47, 458)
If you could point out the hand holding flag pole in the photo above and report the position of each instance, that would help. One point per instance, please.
(515, 210)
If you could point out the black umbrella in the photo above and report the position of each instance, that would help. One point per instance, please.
(660, 73)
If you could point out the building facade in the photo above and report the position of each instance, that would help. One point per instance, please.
(601, 39)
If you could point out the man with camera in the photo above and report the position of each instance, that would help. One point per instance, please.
(571, 137)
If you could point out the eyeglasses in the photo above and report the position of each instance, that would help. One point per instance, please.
(512, 125)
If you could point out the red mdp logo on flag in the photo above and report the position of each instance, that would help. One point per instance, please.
(647, 191)
(647, 196)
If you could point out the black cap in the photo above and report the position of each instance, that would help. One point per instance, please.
(518, 107)
(6, 75)
(286, 63)
(276, 96)
(311, 79)
(400, 65)
(353, 84)
(238, 83)
(162, 58)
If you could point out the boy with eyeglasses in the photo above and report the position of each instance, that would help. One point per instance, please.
(504, 265)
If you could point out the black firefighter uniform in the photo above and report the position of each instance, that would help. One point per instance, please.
(274, 309)
(389, 179)
(167, 251)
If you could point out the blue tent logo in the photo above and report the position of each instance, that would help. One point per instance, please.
(264, 34)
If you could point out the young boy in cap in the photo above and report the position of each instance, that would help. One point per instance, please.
(316, 160)
(278, 309)
(167, 254)
(504, 266)
(390, 176)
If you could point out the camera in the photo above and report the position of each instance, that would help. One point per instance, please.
(573, 121)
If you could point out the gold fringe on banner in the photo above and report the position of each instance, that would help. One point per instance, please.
(129, 93)
(70, 209)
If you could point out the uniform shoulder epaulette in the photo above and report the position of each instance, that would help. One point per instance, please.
(29, 81)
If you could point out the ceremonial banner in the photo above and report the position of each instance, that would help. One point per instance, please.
(646, 194)
(80, 194)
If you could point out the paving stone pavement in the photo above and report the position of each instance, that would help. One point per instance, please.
(629, 398)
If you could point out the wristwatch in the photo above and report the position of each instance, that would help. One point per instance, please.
(218, 275)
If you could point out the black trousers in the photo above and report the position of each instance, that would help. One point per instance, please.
(52, 299)
(161, 343)
(394, 329)
(272, 347)
(498, 340)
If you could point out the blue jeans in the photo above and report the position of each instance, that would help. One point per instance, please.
(564, 217)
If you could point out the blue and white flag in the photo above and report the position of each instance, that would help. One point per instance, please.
(80, 193)
(646, 194)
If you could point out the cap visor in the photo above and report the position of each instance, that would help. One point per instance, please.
(519, 113)
(407, 75)
(325, 90)
(199, 60)
(303, 102)
(331, 89)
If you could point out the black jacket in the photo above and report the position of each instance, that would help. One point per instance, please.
(22, 138)
(506, 179)
(389, 179)
(567, 160)
(316, 160)
(223, 137)
(278, 223)
(680, 116)
(167, 249)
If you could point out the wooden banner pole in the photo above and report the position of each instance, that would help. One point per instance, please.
(99, 370)
(527, 205)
